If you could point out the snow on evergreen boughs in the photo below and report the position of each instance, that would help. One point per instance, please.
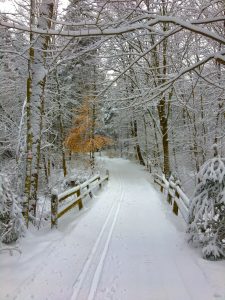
(11, 220)
(213, 170)
(207, 210)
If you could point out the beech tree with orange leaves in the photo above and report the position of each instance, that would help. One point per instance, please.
(83, 138)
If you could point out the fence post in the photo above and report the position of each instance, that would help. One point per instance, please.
(80, 203)
(90, 193)
(54, 211)
(169, 197)
(107, 174)
(99, 179)
(175, 206)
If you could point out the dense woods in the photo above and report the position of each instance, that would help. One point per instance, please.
(144, 78)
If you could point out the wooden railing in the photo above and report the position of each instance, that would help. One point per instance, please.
(80, 192)
(175, 196)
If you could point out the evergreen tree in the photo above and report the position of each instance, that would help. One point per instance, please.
(207, 210)
(11, 220)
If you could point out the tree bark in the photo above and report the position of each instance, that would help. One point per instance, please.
(137, 147)
(35, 103)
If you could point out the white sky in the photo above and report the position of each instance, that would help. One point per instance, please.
(8, 6)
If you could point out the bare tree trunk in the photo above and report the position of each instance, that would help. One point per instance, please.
(35, 103)
(137, 146)
(148, 165)
(61, 127)
(165, 138)
(29, 138)
(163, 107)
(93, 118)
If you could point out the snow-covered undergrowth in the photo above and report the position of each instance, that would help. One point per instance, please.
(12, 225)
(78, 171)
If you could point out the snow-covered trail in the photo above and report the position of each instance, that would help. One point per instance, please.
(128, 246)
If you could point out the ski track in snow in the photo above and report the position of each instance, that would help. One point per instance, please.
(98, 271)
(127, 246)
(78, 285)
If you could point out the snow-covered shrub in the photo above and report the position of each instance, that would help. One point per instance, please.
(207, 210)
(11, 219)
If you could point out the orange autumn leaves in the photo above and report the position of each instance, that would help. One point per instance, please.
(82, 137)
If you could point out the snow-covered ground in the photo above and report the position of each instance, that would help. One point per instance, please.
(126, 245)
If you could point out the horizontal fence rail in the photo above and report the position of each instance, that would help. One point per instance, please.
(80, 192)
(175, 196)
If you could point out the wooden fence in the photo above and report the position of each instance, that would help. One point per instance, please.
(175, 196)
(80, 191)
